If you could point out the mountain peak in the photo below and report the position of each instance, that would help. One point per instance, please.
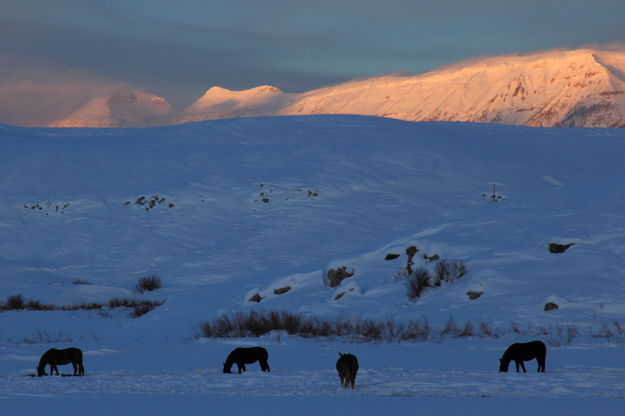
(120, 108)
(260, 90)
(220, 102)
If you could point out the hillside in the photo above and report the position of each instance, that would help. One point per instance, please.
(227, 209)
(273, 202)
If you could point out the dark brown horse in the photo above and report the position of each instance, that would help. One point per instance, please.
(242, 356)
(524, 352)
(55, 357)
(347, 367)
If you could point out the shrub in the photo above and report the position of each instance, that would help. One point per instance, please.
(35, 305)
(144, 308)
(140, 307)
(486, 331)
(450, 328)
(148, 284)
(81, 282)
(15, 302)
(467, 331)
(77, 307)
(336, 276)
(417, 282)
(255, 324)
(448, 271)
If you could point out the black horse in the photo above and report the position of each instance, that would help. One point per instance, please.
(56, 357)
(347, 366)
(524, 352)
(242, 356)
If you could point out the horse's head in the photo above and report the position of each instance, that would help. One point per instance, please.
(41, 371)
(503, 366)
(227, 368)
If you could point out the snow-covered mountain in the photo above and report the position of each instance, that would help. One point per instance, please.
(219, 103)
(125, 108)
(563, 88)
(584, 88)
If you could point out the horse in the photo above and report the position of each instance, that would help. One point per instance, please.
(520, 352)
(56, 357)
(347, 367)
(242, 356)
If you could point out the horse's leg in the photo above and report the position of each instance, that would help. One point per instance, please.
(75, 365)
(243, 365)
(523, 367)
(541, 364)
(517, 366)
(240, 366)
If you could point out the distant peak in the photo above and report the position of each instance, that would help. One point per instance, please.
(265, 89)
(260, 90)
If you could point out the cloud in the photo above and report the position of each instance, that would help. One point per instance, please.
(33, 93)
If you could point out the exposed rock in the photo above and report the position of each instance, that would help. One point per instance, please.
(550, 306)
(474, 295)
(559, 248)
(281, 290)
(255, 298)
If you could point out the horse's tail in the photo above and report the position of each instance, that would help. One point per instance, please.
(81, 368)
(264, 364)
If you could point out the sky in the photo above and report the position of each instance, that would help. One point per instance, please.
(54, 55)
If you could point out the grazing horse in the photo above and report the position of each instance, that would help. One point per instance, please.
(524, 352)
(242, 356)
(56, 357)
(347, 366)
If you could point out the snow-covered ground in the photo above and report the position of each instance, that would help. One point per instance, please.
(254, 205)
